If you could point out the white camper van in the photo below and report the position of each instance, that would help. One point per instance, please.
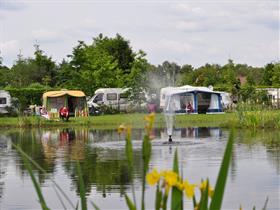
(5, 101)
(114, 97)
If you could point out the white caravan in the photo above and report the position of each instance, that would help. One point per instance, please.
(5, 101)
(114, 97)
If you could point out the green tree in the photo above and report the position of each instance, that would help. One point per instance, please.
(89, 69)
(119, 49)
(25, 71)
(268, 74)
(46, 68)
(276, 75)
(137, 80)
(106, 62)
(186, 75)
(4, 71)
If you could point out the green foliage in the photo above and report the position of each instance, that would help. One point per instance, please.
(268, 73)
(257, 119)
(129, 203)
(25, 71)
(111, 62)
(118, 48)
(276, 75)
(27, 96)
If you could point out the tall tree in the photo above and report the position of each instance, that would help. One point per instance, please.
(46, 68)
(106, 62)
(268, 73)
(119, 49)
(276, 75)
(4, 71)
(26, 71)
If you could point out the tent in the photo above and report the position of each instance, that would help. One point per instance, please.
(201, 99)
(74, 100)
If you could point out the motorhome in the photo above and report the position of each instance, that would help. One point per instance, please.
(5, 101)
(114, 97)
(190, 99)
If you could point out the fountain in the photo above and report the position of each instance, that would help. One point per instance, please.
(169, 110)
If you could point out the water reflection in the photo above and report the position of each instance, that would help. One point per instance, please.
(4, 147)
(102, 157)
(69, 145)
(269, 138)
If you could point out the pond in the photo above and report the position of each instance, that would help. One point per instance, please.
(254, 172)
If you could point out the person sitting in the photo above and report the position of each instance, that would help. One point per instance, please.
(189, 108)
(64, 113)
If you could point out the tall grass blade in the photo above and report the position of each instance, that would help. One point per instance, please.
(177, 195)
(204, 200)
(164, 203)
(34, 181)
(217, 198)
(44, 171)
(94, 206)
(130, 205)
(129, 157)
(82, 187)
(146, 154)
(194, 202)
(265, 204)
(158, 198)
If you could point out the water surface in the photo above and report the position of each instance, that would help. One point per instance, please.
(254, 173)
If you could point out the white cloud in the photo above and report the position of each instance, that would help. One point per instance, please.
(10, 47)
(47, 36)
(11, 5)
(166, 30)
(189, 26)
(172, 46)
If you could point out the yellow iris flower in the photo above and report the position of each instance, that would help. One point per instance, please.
(170, 178)
(150, 117)
(189, 189)
(150, 122)
(203, 186)
(153, 177)
(122, 128)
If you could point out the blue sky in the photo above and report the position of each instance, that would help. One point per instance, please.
(185, 32)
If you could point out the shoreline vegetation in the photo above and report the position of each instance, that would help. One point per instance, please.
(241, 119)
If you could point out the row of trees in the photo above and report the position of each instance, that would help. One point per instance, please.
(111, 62)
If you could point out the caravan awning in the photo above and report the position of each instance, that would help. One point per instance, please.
(75, 93)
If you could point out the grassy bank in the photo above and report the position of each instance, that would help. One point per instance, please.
(248, 119)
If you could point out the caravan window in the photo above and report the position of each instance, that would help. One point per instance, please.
(124, 95)
(3, 100)
(112, 96)
(98, 97)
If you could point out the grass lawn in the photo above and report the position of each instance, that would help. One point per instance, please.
(136, 120)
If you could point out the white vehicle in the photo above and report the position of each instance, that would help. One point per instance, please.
(5, 101)
(114, 97)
